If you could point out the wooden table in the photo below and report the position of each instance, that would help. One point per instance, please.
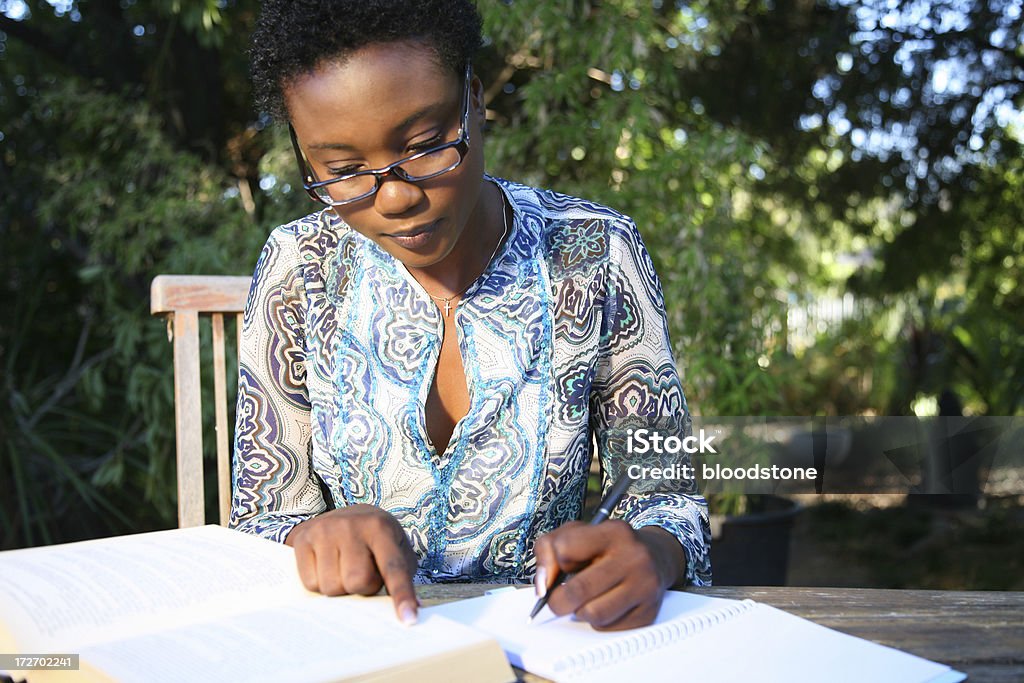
(980, 633)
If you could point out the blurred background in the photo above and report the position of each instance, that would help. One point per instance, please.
(832, 191)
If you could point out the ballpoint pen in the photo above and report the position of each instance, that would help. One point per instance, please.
(607, 505)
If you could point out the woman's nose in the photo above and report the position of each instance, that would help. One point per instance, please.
(397, 196)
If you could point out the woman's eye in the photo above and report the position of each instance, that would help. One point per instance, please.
(426, 144)
(344, 170)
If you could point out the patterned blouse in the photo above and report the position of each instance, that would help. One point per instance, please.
(562, 334)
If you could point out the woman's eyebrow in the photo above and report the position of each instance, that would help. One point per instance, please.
(402, 125)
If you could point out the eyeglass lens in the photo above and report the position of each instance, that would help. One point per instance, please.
(421, 168)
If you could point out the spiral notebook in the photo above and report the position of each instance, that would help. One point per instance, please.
(695, 637)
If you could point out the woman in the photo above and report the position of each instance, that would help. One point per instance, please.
(426, 360)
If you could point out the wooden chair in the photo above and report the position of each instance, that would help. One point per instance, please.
(182, 299)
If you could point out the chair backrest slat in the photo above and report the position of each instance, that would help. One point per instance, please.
(238, 329)
(183, 298)
(220, 403)
(188, 411)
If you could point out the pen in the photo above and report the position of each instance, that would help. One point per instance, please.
(607, 505)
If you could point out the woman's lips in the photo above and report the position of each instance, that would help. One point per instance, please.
(414, 238)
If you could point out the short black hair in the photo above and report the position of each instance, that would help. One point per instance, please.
(293, 37)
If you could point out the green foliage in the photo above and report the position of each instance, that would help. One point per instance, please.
(985, 323)
(851, 370)
(113, 205)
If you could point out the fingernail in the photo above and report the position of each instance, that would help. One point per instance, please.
(540, 582)
(407, 613)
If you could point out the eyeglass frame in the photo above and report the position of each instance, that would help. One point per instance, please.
(461, 145)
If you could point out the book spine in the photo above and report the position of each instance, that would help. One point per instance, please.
(645, 640)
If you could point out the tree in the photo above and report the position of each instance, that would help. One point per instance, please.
(899, 125)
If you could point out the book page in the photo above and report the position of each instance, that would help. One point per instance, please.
(87, 592)
(773, 640)
(541, 643)
(714, 639)
(768, 644)
(323, 639)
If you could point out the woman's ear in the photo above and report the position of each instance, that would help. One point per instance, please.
(476, 98)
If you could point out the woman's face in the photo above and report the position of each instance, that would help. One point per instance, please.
(383, 103)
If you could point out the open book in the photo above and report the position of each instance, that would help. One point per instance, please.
(212, 604)
(695, 638)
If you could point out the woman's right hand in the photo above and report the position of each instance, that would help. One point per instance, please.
(356, 550)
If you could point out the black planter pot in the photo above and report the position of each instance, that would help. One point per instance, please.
(753, 549)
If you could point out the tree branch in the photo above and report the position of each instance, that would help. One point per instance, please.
(71, 377)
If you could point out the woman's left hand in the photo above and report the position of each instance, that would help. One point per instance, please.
(621, 573)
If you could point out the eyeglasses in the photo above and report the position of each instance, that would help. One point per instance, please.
(423, 165)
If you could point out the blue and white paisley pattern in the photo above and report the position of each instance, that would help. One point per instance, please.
(576, 246)
(259, 424)
(562, 334)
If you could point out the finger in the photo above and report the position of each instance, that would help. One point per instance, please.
(584, 587)
(305, 560)
(547, 565)
(576, 545)
(359, 570)
(396, 564)
(621, 608)
(551, 558)
(328, 569)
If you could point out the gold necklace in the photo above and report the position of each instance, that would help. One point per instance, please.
(448, 299)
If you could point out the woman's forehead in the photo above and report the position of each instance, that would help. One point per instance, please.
(379, 85)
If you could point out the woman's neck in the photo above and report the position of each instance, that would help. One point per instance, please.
(474, 250)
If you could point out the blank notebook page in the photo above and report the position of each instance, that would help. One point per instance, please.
(695, 637)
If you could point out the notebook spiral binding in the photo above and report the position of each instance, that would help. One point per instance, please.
(645, 640)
